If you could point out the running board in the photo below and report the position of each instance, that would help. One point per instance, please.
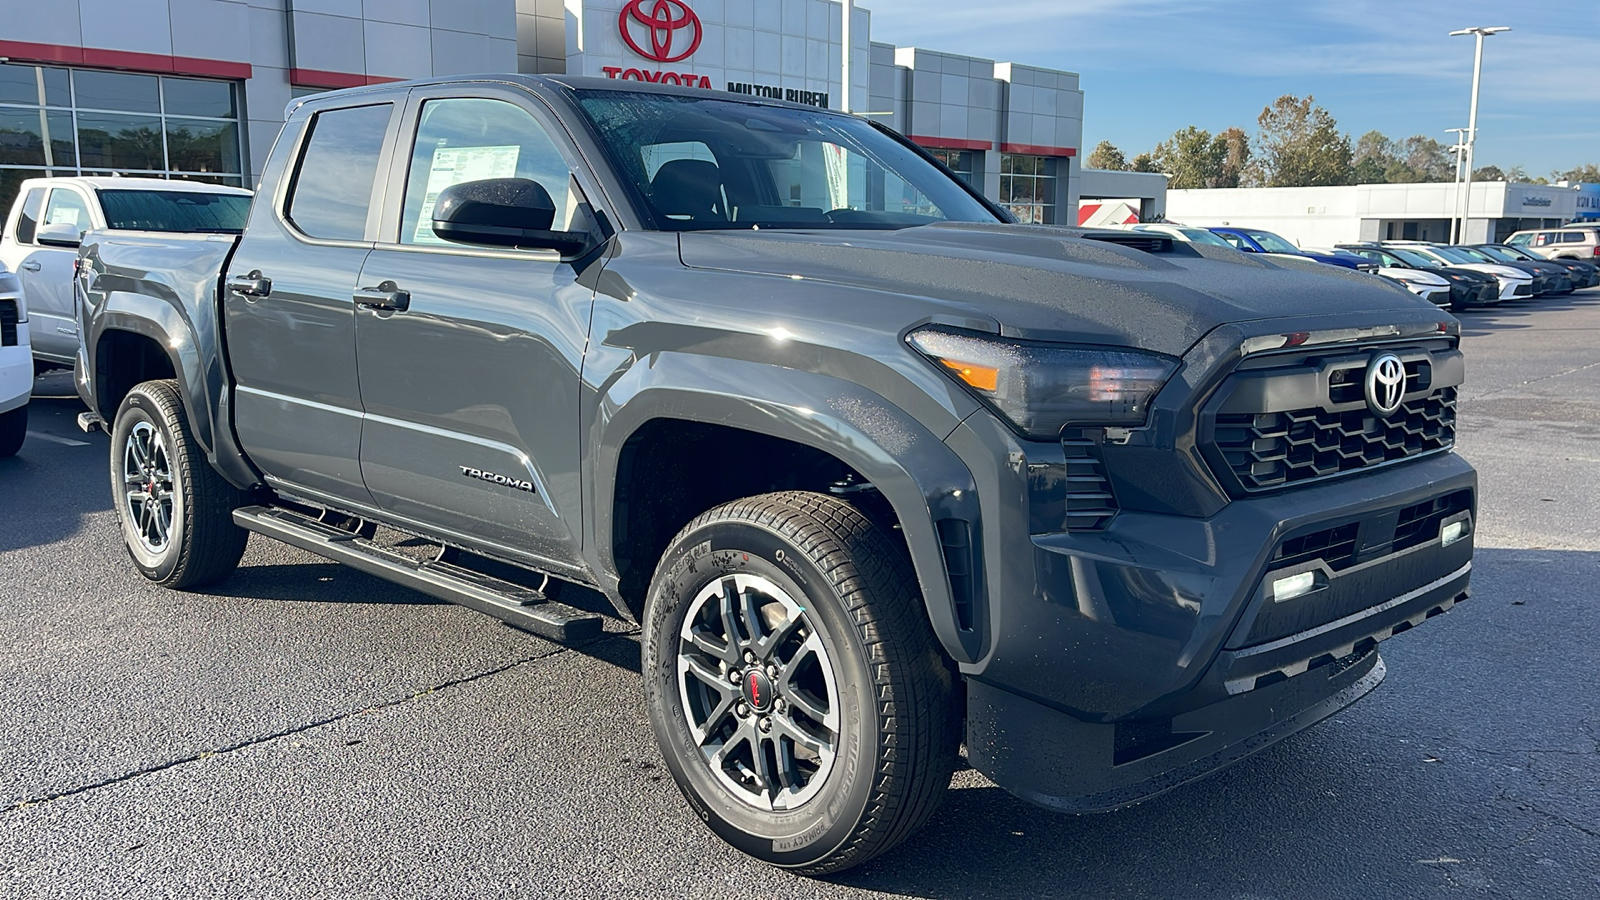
(511, 603)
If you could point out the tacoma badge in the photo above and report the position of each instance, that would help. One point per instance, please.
(492, 478)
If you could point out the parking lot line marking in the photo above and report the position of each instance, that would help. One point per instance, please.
(59, 440)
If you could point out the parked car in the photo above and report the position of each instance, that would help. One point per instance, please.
(870, 473)
(1468, 287)
(1181, 232)
(1583, 274)
(1255, 240)
(50, 215)
(1566, 242)
(1425, 281)
(1556, 278)
(1515, 283)
(16, 365)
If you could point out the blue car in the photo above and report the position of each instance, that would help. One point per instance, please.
(1254, 240)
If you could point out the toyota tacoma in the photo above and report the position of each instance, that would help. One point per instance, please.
(878, 472)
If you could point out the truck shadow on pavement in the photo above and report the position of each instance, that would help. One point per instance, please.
(59, 477)
(1462, 774)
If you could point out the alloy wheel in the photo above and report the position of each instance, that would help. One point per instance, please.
(759, 691)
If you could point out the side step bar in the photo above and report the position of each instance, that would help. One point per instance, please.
(512, 603)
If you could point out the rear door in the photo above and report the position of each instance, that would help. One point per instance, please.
(471, 390)
(288, 302)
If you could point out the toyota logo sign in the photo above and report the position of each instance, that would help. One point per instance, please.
(671, 29)
(1386, 384)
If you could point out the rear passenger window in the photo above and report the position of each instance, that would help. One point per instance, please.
(1571, 237)
(28, 220)
(333, 186)
(471, 139)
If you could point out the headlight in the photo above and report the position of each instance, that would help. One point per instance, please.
(1041, 388)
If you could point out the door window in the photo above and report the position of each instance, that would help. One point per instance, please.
(66, 207)
(333, 185)
(28, 219)
(462, 139)
(1520, 240)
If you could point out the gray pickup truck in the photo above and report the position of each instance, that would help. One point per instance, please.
(878, 472)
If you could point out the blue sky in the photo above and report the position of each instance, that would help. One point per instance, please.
(1150, 67)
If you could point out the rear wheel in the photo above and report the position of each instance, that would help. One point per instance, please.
(176, 510)
(13, 430)
(794, 683)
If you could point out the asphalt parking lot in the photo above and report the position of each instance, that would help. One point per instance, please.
(305, 730)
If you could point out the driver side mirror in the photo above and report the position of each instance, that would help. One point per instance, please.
(60, 234)
(503, 212)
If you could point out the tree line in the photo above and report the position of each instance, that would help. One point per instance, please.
(1298, 144)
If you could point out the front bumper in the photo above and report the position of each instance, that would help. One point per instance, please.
(16, 372)
(1474, 294)
(1152, 653)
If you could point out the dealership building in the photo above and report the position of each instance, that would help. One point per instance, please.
(197, 88)
(1324, 216)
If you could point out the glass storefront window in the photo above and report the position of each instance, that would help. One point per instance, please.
(117, 90)
(964, 163)
(56, 121)
(1028, 188)
(112, 141)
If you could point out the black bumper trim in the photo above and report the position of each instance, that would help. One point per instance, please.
(1056, 761)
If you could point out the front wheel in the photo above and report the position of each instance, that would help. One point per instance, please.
(176, 510)
(794, 684)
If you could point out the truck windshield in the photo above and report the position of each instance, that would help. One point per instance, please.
(146, 210)
(702, 163)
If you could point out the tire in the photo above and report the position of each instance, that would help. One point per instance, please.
(176, 510)
(13, 430)
(858, 670)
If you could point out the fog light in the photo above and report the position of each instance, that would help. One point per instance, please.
(1453, 532)
(1293, 586)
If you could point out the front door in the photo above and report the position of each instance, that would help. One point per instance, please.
(47, 278)
(471, 389)
(290, 310)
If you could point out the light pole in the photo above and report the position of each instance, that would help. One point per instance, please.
(1458, 229)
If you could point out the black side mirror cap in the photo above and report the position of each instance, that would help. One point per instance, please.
(503, 212)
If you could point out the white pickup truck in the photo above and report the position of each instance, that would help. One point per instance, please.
(48, 221)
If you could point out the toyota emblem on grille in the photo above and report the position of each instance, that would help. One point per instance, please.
(1386, 384)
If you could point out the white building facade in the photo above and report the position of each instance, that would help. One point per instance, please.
(197, 88)
(1325, 216)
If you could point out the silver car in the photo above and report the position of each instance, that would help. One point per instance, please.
(1567, 242)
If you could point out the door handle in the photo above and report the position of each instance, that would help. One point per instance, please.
(252, 285)
(386, 297)
(32, 266)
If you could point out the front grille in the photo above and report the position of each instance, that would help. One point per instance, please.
(1522, 290)
(1420, 524)
(1334, 546)
(1090, 504)
(1269, 450)
(8, 323)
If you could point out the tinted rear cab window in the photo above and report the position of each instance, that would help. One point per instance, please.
(332, 190)
(193, 211)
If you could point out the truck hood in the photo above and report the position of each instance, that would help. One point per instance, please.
(1053, 283)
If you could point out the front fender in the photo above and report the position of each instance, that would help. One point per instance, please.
(923, 480)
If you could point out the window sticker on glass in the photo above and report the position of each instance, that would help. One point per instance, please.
(455, 165)
(65, 215)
